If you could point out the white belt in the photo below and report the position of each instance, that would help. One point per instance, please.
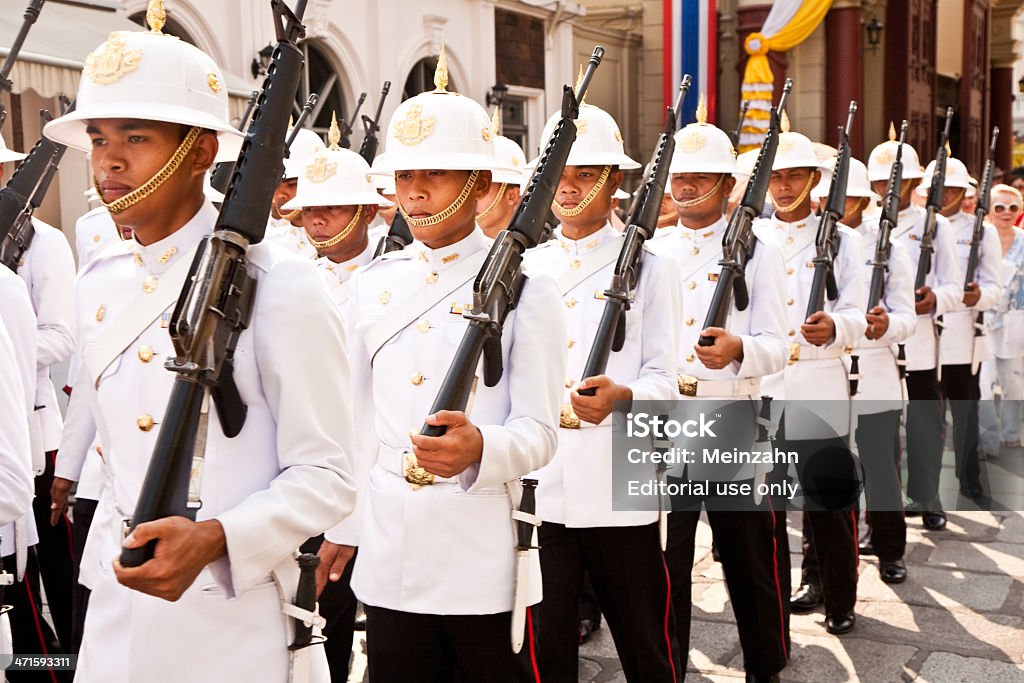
(808, 352)
(718, 388)
(402, 462)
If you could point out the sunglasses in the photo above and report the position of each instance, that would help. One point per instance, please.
(999, 208)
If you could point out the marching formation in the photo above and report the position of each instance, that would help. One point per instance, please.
(304, 379)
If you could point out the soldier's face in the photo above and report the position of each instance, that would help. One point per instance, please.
(667, 215)
(425, 193)
(284, 193)
(788, 184)
(323, 223)
(687, 187)
(388, 212)
(575, 184)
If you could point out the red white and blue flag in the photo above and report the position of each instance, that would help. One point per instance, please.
(691, 47)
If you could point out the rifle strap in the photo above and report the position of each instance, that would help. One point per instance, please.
(426, 298)
(137, 318)
(590, 264)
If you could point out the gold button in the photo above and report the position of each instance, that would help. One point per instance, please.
(95, 238)
(691, 285)
(432, 278)
(138, 258)
(789, 271)
(690, 321)
(100, 312)
(789, 240)
(792, 333)
(149, 284)
(569, 383)
(384, 297)
(695, 251)
(691, 358)
(575, 264)
(145, 353)
(570, 303)
(572, 343)
(422, 326)
(417, 379)
(789, 301)
(302, 244)
(145, 422)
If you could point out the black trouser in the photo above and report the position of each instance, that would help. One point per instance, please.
(925, 435)
(960, 386)
(337, 605)
(30, 632)
(82, 513)
(56, 555)
(878, 442)
(431, 648)
(631, 582)
(589, 608)
(823, 470)
(746, 546)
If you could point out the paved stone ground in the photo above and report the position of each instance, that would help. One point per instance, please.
(959, 618)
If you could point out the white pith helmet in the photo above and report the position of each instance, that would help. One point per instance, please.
(703, 148)
(857, 184)
(304, 146)
(438, 129)
(8, 154)
(956, 176)
(335, 177)
(598, 140)
(151, 76)
(883, 156)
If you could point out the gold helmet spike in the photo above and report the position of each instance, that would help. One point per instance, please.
(334, 134)
(784, 124)
(156, 16)
(949, 152)
(441, 73)
(496, 121)
(892, 132)
(702, 110)
(579, 84)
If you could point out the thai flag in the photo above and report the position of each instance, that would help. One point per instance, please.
(691, 47)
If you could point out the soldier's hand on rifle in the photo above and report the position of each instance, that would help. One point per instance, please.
(972, 293)
(333, 560)
(447, 456)
(594, 409)
(927, 304)
(183, 548)
(878, 323)
(59, 491)
(819, 329)
(726, 349)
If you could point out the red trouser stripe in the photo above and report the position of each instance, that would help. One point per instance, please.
(778, 588)
(668, 614)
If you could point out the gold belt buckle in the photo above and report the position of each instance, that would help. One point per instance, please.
(687, 385)
(794, 353)
(568, 419)
(416, 475)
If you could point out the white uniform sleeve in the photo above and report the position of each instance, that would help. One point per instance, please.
(764, 349)
(899, 296)
(948, 283)
(52, 281)
(989, 272)
(308, 394)
(20, 322)
(78, 434)
(661, 319)
(848, 310)
(15, 458)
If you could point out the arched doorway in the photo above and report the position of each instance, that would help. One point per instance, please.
(320, 77)
(421, 78)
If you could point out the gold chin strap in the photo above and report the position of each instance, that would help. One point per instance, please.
(689, 203)
(153, 184)
(798, 200)
(452, 209)
(291, 216)
(591, 196)
(497, 198)
(956, 202)
(337, 239)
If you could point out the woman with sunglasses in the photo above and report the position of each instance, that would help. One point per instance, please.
(1006, 323)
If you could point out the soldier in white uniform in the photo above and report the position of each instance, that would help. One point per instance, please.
(750, 346)
(963, 345)
(284, 227)
(816, 422)
(48, 269)
(581, 533)
(338, 202)
(880, 396)
(283, 478)
(436, 547)
(942, 292)
(495, 209)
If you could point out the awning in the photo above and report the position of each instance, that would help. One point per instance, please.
(51, 60)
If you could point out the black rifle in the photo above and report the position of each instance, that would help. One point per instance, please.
(368, 150)
(642, 222)
(307, 109)
(346, 126)
(216, 302)
(886, 224)
(981, 210)
(223, 171)
(24, 194)
(739, 124)
(500, 281)
(739, 241)
(827, 239)
(932, 209)
(31, 14)
(399, 236)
